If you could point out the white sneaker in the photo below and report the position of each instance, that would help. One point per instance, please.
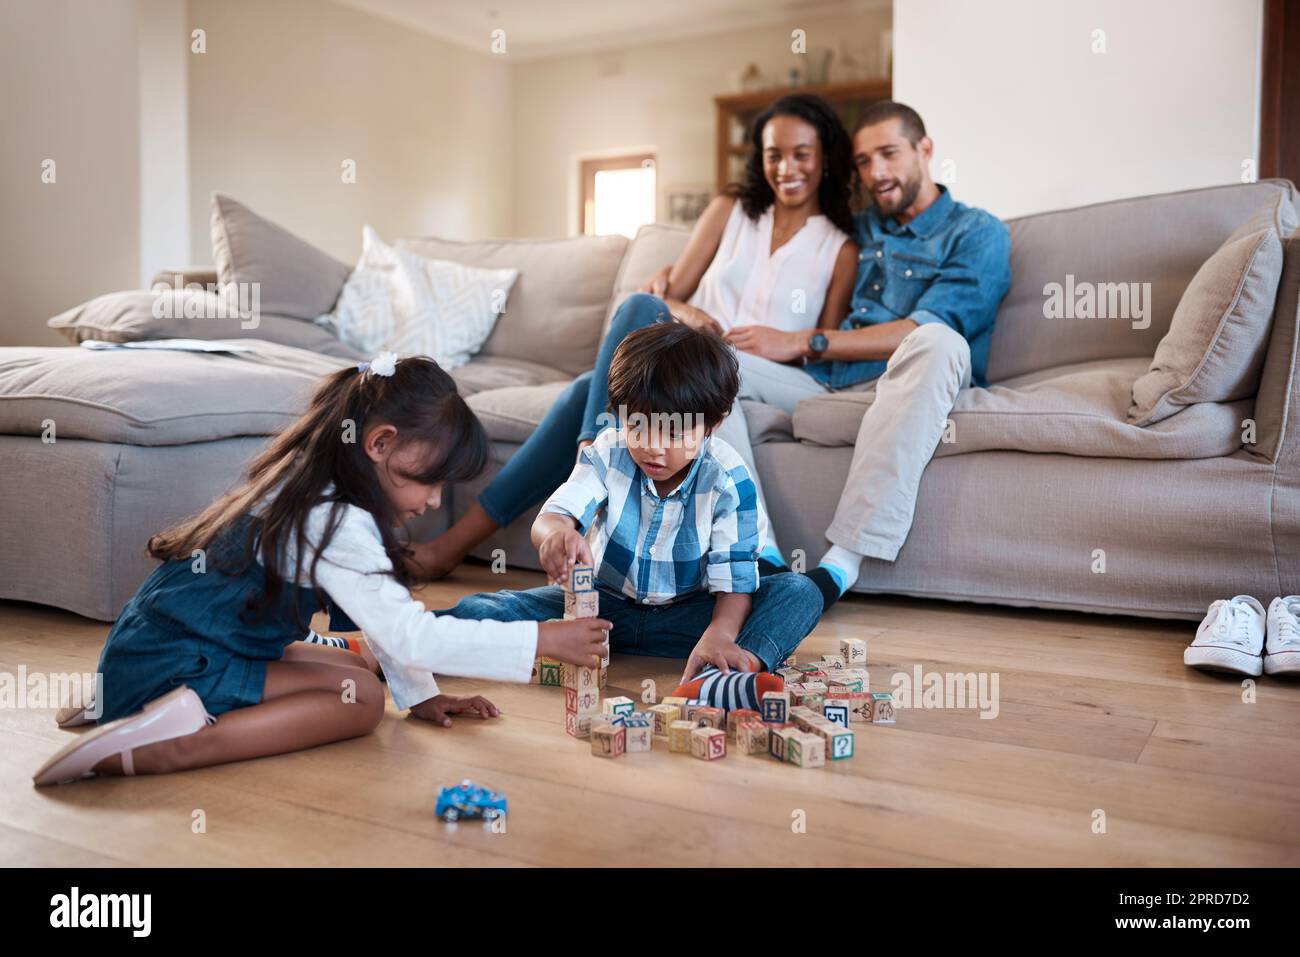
(1282, 653)
(1231, 638)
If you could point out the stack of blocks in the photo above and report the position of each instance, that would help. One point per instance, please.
(581, 684)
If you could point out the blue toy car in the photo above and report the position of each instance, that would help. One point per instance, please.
(468, 800)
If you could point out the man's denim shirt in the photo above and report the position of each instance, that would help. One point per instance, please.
(951, 264)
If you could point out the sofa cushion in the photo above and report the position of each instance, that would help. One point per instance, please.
(396, 301)
(296, 279)
(558, 303)
(511, 414)
(490, 372)
(1160, 240)
(1215, 346)
(1078, 409)
(654, 247)
(140, 314)
(138, 397)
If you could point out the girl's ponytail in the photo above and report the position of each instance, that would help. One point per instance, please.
(320, 458)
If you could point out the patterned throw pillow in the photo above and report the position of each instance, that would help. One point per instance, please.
(399, 302)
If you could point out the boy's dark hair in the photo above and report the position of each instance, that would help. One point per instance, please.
(912, 127)
(670, 367)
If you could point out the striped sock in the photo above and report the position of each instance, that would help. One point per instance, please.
(333, 641)
(739, 689)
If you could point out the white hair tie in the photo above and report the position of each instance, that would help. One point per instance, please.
(384, 364)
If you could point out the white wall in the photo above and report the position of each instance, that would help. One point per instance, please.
(68, 74)
(289, 89)
(1032, 119)
(658, 96)
(164, 138)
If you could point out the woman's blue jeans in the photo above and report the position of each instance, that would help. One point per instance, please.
(543, 462)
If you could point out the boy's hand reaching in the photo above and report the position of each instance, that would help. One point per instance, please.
(560, 551)
(721, 652)
(579, 642)
(439, 708)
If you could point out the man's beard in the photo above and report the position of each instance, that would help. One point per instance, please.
(908, 190)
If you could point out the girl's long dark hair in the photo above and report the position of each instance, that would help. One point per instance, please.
(836, 187)
(320, 458)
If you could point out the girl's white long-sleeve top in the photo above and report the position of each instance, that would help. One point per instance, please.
(410, 642)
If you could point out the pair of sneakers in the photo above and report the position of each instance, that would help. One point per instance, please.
(1239, 636)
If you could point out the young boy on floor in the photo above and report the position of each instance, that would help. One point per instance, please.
(674, 526)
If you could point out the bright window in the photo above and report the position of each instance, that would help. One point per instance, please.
(618, 195)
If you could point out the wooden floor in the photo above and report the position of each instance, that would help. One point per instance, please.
(1097, 716)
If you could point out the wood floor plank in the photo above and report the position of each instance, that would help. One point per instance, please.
(1094, 714)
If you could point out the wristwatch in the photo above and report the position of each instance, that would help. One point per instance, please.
(817, 344)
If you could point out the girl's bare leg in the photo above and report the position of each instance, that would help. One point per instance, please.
(305, 703)
(439, 557)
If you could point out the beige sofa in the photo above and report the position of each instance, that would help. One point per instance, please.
(1046, 496)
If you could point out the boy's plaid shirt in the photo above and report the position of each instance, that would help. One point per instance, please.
(705, 534)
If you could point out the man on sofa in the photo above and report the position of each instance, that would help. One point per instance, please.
(931, 274)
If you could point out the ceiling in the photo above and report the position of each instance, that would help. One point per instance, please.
(541, 28)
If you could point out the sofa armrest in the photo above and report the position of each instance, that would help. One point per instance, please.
(1277, 404)
(182, 276)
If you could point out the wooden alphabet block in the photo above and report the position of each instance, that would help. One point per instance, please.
(832, 661)
(584, 701)
(837, 710)
(778, 740)
(839, 744)
(860, 706)
(640, 734)
(707, 717)
(692, 707)
(581, 604)
(607, 740)
(550, 673)
(579, 676)
(709, 744)
(679, 736)
(617, 706)
(806, 750)
(664, 715)
(734, 718)
(775, 706)
(789, 674)
(853, 651)
(579, 725)
(805, 669)
(882, 708)
(751, 737)
(581, 578)
(680, 703)
(801, 716)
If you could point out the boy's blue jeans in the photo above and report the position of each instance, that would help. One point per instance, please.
(543, 462)
(785, 609)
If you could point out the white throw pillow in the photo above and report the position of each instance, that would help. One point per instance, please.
(399, 302)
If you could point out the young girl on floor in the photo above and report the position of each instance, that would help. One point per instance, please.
(204, 665)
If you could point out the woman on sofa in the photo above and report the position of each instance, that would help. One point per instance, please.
(771, 253)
